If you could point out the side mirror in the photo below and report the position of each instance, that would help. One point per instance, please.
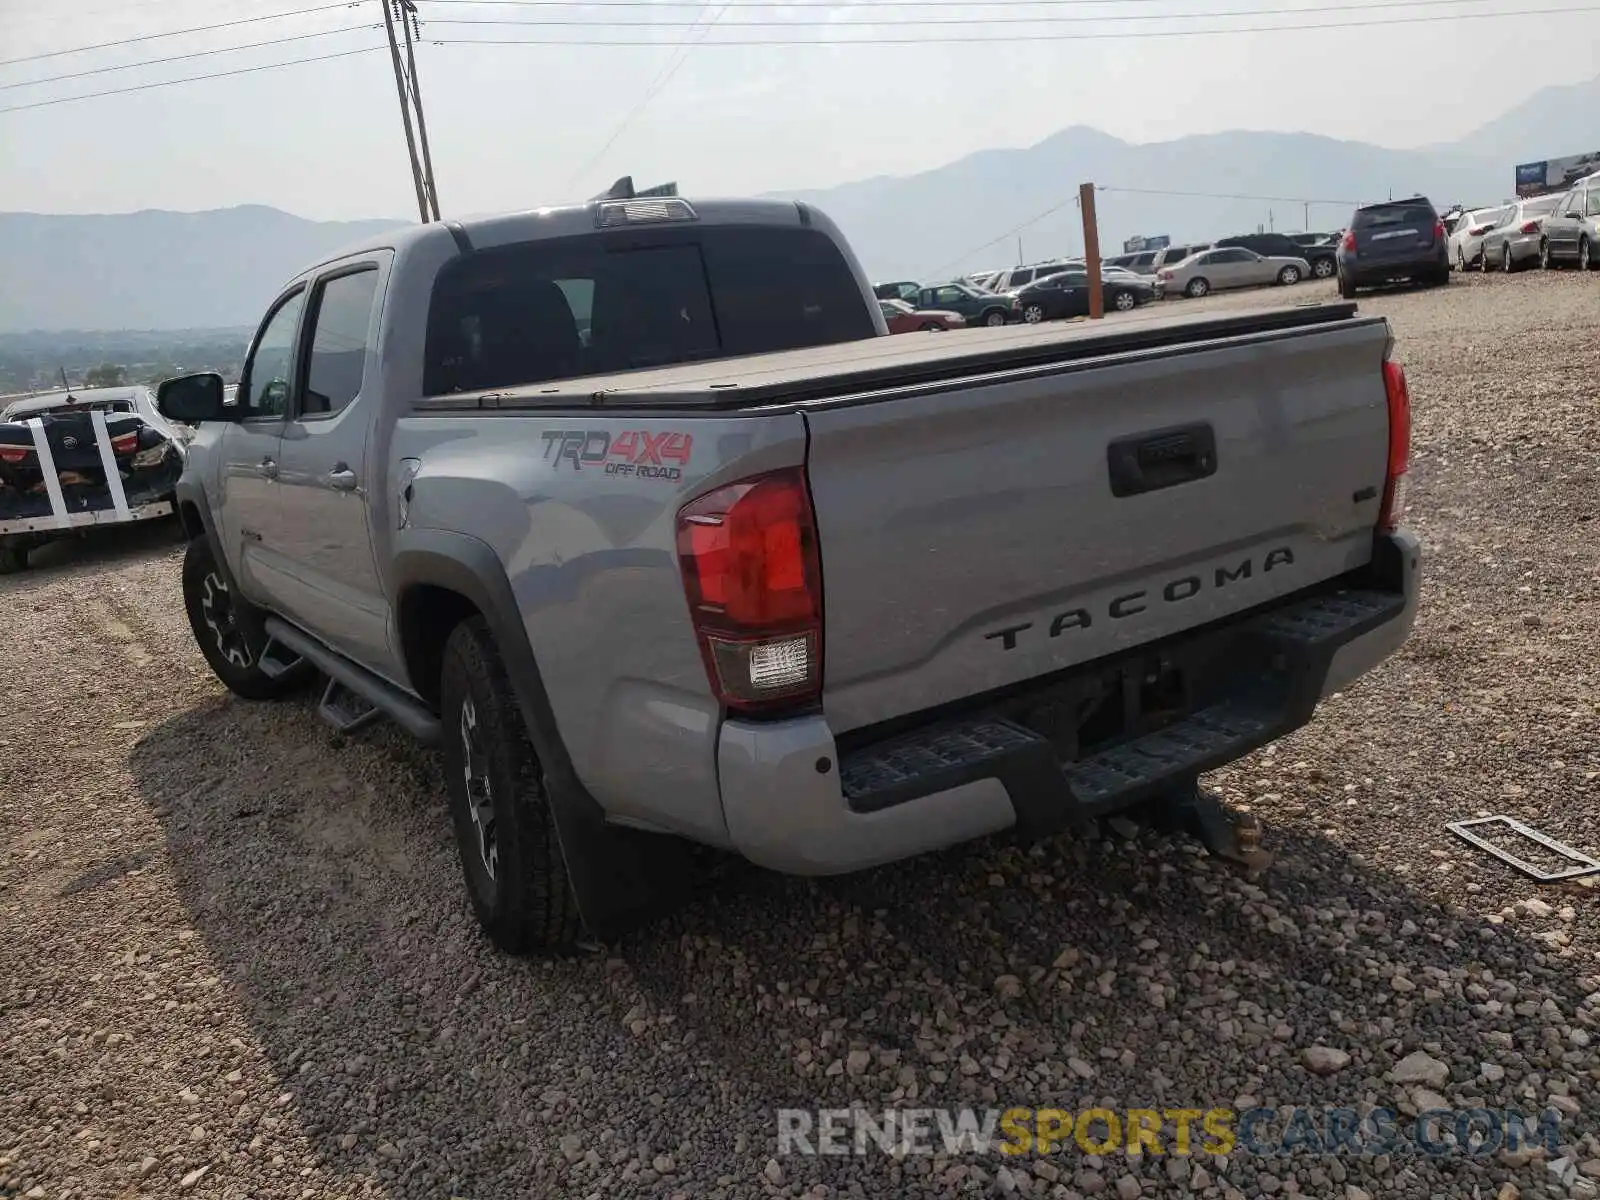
(192, 399)
(1573, 216)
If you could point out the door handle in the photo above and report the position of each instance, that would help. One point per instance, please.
(267, 469)
(341, 479)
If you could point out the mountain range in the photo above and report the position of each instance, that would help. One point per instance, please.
(168, 270)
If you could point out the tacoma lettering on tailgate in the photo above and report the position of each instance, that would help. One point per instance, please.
(635, 452)
(1132, 603)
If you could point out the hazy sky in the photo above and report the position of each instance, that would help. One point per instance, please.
(515, 126)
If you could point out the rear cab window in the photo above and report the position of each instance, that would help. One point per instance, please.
(566, 308)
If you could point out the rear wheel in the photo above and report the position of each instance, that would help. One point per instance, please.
(1544, 256)
(1197, 287)
(1324, 268)
(510, 851)
(1289, 275)
(994, 318)
(227, 628)
(1347, 290)
(931, 327)
(1507, 263)
(1461, 260)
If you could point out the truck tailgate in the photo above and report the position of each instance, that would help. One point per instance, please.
(976, 534)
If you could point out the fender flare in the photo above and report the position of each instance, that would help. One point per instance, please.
(618, 875)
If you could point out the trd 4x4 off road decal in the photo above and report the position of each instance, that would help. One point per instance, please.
(635, 452)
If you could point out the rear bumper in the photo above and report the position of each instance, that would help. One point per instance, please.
(1362, 273)
(797, 801)
(86, 520)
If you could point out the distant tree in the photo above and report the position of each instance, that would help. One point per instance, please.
(106, 375)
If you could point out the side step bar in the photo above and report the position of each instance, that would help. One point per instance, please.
(405, 711)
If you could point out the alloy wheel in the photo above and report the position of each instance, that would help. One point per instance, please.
(216, 607)
(480, 792)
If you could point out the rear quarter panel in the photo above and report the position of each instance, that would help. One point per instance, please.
(588, 542)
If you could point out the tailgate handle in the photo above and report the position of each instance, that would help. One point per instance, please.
(1161, 458)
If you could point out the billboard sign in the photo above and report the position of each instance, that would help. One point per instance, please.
(1156, 242)
(1553, 174)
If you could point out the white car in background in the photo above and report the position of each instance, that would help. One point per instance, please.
(1466, 242)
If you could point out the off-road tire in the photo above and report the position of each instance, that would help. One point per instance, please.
(203, 585)
(527, 903)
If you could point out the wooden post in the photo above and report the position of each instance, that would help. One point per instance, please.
(1091, 251)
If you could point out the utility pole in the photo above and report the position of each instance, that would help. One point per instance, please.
(408, 23)
(1306, 218)
(405, 111)
(1091, 251)
(1019, 250)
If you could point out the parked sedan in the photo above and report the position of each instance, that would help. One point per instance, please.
(977, 306)
(901, 317)
(1466, 238)
(1572, 230)
(1518, 240)
(1067, 295)
(1231, 267)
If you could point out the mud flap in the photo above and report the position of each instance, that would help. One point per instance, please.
(620, 877)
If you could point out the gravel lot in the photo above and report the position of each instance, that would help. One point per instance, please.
(236, 958)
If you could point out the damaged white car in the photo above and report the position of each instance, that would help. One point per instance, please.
(80, 460)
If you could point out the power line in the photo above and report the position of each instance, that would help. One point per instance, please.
(1010, 233)
(915, 21)
(150, 37)
(657, 86)
(171, 58)
(1125, 35)
(144, 87)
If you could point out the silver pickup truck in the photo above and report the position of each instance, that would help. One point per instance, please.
(631, 507)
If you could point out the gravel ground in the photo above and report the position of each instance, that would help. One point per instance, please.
(236, 958)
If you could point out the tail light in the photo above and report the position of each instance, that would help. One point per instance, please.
(1530, 227)
(1438, 231)
(753, 577)
(14, 454)
(1165, 274)
(1392, 511)
(1349, 242)
(125, 443)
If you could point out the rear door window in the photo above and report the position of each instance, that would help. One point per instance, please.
(593, 305)
(1592, 207)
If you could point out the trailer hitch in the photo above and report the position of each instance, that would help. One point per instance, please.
(1234, 836)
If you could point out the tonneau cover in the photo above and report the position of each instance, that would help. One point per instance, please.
(826, 372)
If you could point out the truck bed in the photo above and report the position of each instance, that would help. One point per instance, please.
(846, 371)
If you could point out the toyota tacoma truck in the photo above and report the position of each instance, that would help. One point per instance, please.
(635, 511)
